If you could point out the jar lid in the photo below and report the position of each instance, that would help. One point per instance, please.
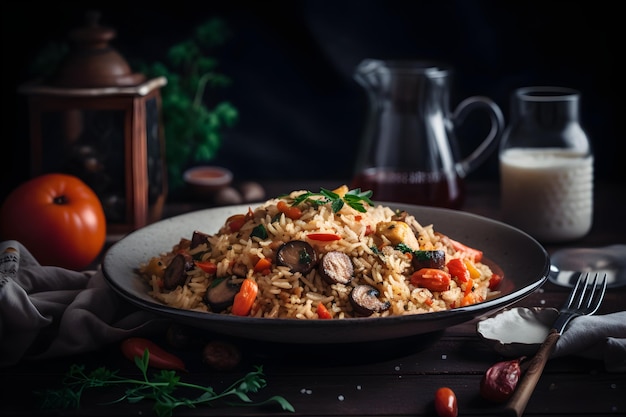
(92, 62)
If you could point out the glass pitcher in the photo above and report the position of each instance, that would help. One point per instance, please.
(409, 152)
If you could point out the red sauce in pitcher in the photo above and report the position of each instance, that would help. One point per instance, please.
(421, 188)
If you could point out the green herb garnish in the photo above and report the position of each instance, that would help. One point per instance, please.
(404, 248)
(354, 198)
(303, 257)
(421, 255)
(259, 231)
(375, 250)
(161, 389)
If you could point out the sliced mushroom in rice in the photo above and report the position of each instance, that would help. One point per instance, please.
(428, 259)
(298, 255)
(198, 238)
(240, 269)
(365, 301)
(336, 268)
(176, 272)
(221, 294)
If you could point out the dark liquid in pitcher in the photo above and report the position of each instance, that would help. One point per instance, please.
(421, 188)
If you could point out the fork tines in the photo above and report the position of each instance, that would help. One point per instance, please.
(589, 290)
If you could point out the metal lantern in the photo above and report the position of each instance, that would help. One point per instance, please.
(99, 121)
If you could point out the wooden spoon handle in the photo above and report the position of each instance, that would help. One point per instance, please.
(526, 386)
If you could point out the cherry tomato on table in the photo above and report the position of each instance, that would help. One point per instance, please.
(445, 403)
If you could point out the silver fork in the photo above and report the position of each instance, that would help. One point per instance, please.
(585, 299)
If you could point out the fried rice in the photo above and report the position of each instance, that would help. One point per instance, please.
(386, 251)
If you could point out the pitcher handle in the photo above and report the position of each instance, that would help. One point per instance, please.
(490, 143)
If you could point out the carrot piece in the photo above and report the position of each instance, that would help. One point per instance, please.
(474, 254)
(468, 287)
(468, 252)
(245, 297)
(262, 264)
(294, 213)
(322, 312)
(207, 266)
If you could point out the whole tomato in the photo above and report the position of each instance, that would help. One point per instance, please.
(58, 218)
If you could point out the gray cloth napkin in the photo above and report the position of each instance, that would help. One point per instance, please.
(48, 312)
(601, 337)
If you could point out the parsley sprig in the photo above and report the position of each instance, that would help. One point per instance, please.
(161, 389)
(353, 198)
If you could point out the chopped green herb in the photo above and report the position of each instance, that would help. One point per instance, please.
(215, 282)
(259, 231)
(404, 248)
(161, 389)
(422, 255)
(354, 198)
(304, 257)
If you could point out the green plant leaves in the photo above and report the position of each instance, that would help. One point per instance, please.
(193, 128)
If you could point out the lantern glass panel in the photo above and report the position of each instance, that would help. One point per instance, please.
(89, 144)
(156, 170)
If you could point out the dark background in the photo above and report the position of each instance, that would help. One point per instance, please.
(291, 62)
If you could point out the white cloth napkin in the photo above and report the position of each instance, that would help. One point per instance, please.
(48, 312)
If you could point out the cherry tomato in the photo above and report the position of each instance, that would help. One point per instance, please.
(58, 218)
(494, 281)
(431, 278)
(445, 403)
(235, 222)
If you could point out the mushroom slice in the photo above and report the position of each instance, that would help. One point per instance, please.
(428, 259)
(240, 269)
(364, 300)
(221, 294)
(336, 268)
(198, 238)
(298, 255)
(176, 272)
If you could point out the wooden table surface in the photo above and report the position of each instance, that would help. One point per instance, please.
(394, 378)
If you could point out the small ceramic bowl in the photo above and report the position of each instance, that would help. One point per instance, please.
(204, 181)
(517, 331)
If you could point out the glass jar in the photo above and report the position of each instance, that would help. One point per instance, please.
(546, 165)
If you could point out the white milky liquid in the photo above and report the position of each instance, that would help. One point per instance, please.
(548, 193)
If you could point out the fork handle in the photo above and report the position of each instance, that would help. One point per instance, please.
(523, 392)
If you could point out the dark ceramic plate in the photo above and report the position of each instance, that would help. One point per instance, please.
(524, 262)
